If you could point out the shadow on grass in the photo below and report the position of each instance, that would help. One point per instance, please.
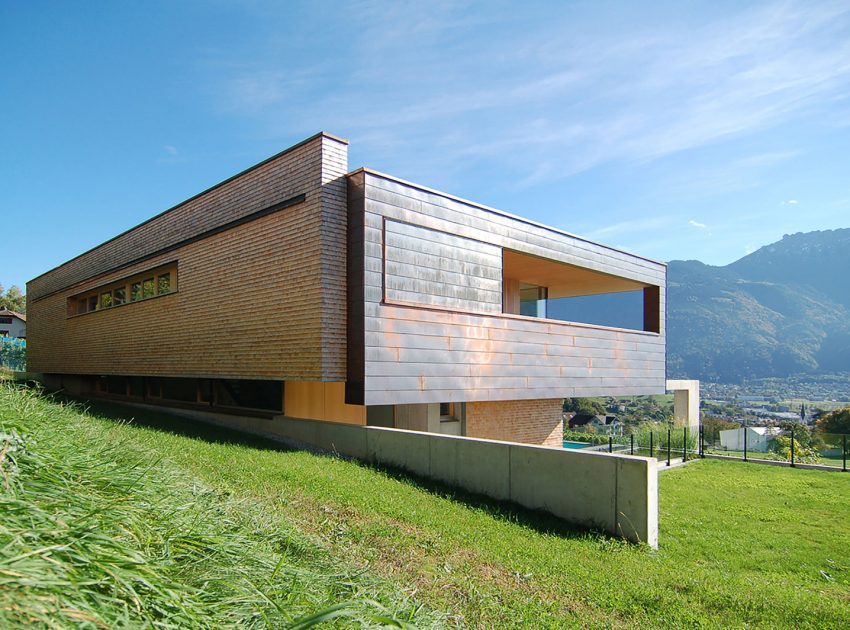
(168, 422)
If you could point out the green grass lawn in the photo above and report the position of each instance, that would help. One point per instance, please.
(273, 535)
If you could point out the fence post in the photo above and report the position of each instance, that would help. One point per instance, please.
(650, 444)
(668, 446)
(844, 453)
(684, 444)
(632, 436)
(701, 441)
(745, 441)
(610, 443)
(792, 448)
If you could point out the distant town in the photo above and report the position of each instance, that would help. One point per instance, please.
(771, 400)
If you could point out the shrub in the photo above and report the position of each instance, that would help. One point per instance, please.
(13, 354)
(781, 446)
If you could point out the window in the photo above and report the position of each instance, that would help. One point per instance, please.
(5, 320)
(163, 284)
(180, 389)
(154, 387)
(532, 300)
(152, 283)
(266, 395)
(147, 288)
(248, 397)
(545, 288)
(447, 410)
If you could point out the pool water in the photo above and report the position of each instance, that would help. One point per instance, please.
(571, 444)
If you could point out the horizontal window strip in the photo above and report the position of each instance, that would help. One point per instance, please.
(259, 214)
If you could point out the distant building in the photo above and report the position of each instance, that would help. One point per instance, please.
(758, 439)
(609, 425)
(12, 324)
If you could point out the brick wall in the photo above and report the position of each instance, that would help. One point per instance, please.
(258, 300)
(527, 421)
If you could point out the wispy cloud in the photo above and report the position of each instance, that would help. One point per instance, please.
(697, 224)
(769, 158)
(789, 202)
(170, 155)
(632, 226)
(560, 99)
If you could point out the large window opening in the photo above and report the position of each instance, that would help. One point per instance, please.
(232, 395)
(538, 287)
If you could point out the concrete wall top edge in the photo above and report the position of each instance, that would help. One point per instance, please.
(463, 438)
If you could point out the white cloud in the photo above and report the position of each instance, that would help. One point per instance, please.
(632, 226)
(557, 96)
(790, 202)
(770, 158)
(697, 224)
(170, 150)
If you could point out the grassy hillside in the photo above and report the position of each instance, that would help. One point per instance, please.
(100, 530)
(231, 531)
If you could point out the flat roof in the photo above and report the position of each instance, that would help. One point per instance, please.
(515, 217)
(365, 170)
(200, 194)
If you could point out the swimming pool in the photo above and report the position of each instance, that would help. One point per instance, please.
(571, 444)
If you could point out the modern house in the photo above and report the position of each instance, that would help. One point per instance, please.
(13, 324)
(363, 299)
(601, 423)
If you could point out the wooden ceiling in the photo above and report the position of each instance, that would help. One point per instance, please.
(563, 280)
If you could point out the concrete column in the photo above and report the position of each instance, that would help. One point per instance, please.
(418, 417)
(685, 402)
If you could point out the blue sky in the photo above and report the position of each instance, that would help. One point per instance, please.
(675, 130)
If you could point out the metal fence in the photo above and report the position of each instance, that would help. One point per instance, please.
(795, 446)
(667, 445)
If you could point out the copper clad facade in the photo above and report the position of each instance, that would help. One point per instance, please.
(432, 295)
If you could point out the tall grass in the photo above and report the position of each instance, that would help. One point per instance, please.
(97, 532)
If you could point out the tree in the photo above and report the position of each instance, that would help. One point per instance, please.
(837, 421)
(13, 299)
(587, 406)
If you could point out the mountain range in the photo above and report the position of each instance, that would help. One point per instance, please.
(781, 310)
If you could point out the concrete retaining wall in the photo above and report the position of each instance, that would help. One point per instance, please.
(617, 494)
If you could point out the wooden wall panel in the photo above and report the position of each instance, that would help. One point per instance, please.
(444, 353)
(321, 401)
(256, 301)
